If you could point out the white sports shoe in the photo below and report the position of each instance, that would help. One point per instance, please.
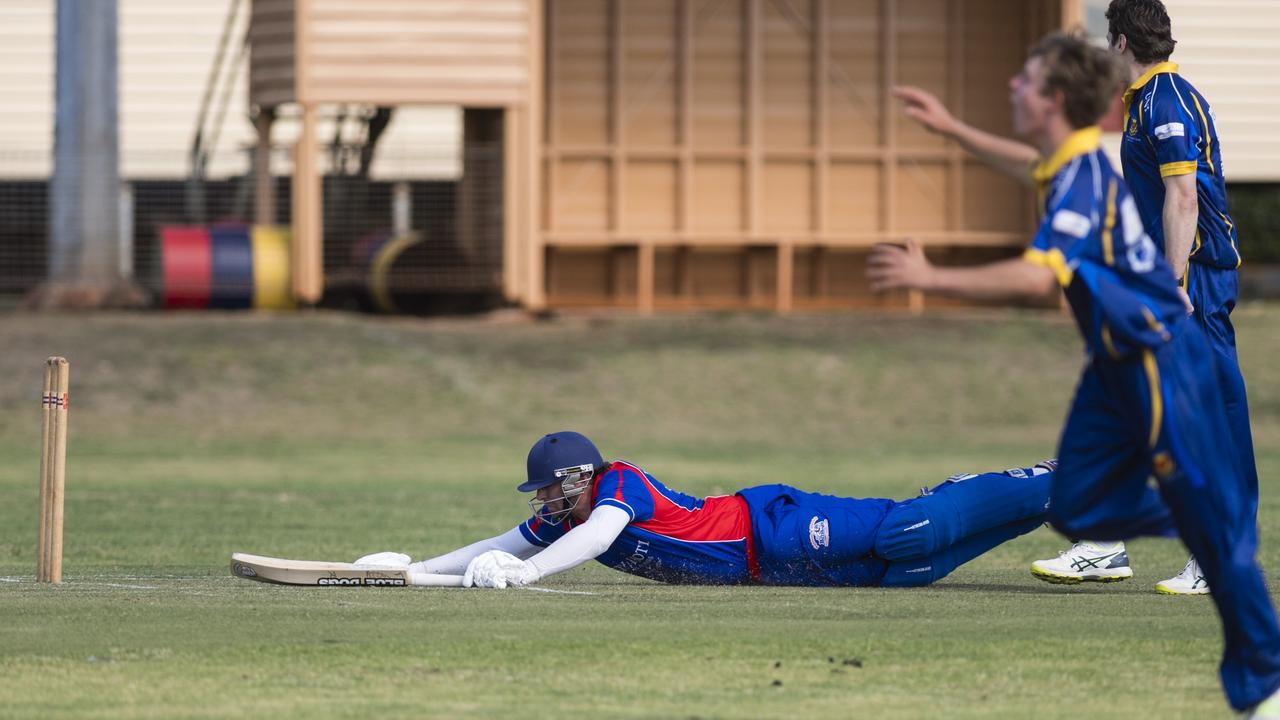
(1268, 709)
(1188, 582)
(1085, 562)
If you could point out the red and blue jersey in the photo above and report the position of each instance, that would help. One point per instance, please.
(1120, 288)
(1169, 129)
(672, 537)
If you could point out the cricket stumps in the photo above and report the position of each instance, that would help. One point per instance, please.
(53, 469)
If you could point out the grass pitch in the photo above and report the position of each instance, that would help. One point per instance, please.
(329, 436)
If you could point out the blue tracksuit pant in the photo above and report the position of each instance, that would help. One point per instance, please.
(804, 538)
(1160, 412)
(1213, 292)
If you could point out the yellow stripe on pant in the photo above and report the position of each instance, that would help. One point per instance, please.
(1157, 401)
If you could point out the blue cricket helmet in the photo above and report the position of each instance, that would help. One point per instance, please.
(553, 454)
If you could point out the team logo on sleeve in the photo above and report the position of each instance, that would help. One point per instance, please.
(1070, 222)
(1168, 130)
(819, 533)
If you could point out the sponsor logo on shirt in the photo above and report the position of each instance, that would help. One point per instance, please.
(819, 533)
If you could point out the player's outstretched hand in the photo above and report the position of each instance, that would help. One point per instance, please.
(498, 569)
(385, 559)
(890, 267)
(925, 108)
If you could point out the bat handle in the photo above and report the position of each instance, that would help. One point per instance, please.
(433, 580)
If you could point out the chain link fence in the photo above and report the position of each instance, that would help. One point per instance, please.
(395, 241)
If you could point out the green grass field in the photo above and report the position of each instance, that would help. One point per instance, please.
(329, 436)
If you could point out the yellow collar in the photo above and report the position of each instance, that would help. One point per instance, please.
(1164, 67)
(1077, 143)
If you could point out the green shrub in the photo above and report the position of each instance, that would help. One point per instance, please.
(1255, 207)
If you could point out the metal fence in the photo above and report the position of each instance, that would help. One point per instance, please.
(392, 242)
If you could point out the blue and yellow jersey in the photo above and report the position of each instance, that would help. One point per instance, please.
(1169, 129)
(672, 537)
(1120, 288)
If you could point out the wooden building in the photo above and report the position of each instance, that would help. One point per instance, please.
(679, 153)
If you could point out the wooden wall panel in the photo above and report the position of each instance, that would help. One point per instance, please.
(580, 195)
(579, 83)
(922, 59)
(747, 152)
(651, 196)
(994, 202)
(854, 95)
(577, 276)
(990, 60)
(836, 278)
(649, 87)
(788, 197)
(788, 74)
(719, 74)
(400, 51)
(920, 194)
(718, 189)
(716, 273)
(854, 202)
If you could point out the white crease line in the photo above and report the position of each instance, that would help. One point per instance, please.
(78, 583)
(553, 590)
(129, 587)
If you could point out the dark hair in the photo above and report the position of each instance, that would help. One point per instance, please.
(1145, 24)
(1088, 76)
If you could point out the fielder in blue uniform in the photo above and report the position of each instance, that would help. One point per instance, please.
(1171, 157)
(616, 513)
(1172, 160)
(1148, 404)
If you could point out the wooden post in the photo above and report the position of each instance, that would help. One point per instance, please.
(539, 130)
(263, 183)
(755, 112)
(645, 277)
(308, 223)
(786, 265)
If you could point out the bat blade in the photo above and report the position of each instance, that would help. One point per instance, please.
(331, 574)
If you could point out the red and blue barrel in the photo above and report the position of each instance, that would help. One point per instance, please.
(226, 267)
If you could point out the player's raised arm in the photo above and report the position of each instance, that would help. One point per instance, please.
(1010, 157)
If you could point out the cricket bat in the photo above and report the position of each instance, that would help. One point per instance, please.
(330, 574)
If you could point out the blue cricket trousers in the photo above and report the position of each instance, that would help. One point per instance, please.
(1160, 412)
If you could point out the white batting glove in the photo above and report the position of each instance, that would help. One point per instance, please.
(385, 559)
(498, 569)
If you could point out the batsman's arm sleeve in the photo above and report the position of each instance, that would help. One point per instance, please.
(584, 542)
(455, 563)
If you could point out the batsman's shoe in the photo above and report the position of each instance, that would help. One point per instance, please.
(1268, 709)
(1085, 562)
(1188, 582)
